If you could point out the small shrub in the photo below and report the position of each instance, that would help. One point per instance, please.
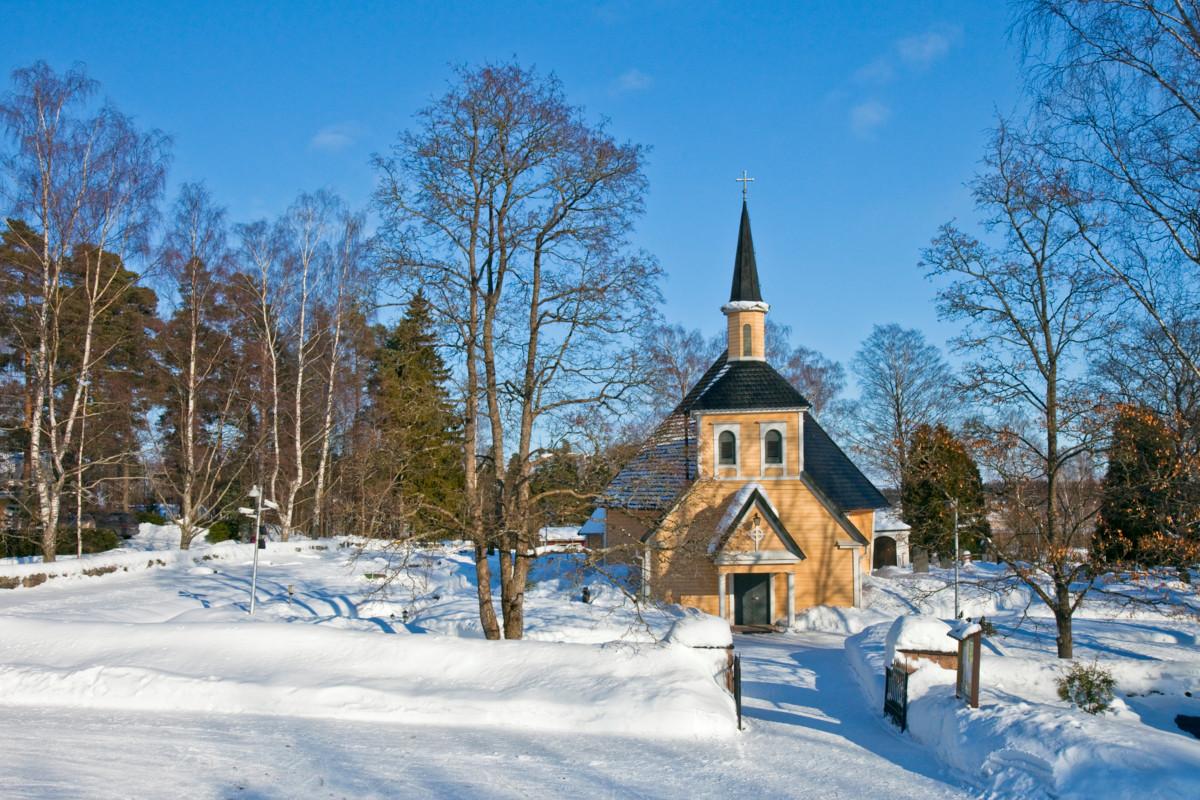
(95, 540)
(1088, 686)
(153, 517)
(222, 531)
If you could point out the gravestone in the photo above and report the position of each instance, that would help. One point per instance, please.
(920, 560)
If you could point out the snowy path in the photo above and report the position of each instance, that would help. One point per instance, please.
(811, 735)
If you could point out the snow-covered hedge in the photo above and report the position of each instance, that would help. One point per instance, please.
(156, 546)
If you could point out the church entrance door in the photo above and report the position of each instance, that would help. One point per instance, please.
(750, 599)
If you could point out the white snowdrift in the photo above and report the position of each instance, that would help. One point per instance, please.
(307, 671)
(116, 561)
(918, 632)
(696, 629)
(835, 619)
(1016, 747)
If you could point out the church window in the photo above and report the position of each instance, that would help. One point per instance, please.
(774, 443)
(727, 447)
(747, 341)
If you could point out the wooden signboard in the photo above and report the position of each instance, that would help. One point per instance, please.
(970, 647)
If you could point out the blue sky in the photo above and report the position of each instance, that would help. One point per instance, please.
(860, 121)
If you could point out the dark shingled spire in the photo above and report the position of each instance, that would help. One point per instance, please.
(745, 271)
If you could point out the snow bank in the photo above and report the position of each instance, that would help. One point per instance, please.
(144, 554)
(307, 671)
(33, 573)
(833, 619)
(1016, 747)
(918, 632)
(696, 629)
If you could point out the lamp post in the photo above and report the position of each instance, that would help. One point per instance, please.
(256, 514)
(954, 503)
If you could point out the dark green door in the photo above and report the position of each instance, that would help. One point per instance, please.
(750, 598)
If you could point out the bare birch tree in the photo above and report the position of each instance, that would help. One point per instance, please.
(87, 181)
(347, 276)
(903, 383)
(206, 409)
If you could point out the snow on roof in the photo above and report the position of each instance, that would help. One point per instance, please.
(887, 520)
(964, 628)
(738, 500)
(596, 523)
(734, 507)
(558, 533)
(918, 632)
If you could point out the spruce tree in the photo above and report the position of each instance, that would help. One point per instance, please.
(941, 472)
(419, 458)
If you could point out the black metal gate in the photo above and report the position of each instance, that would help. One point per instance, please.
(895, 695)
(737, 687)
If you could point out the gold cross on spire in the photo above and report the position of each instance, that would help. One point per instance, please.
(745, 181)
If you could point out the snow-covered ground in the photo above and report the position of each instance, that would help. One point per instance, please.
(809, 734)
(1023, 741)
(346, 684)
(364, 675)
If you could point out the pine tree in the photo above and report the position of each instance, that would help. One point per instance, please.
(1146, 494)
(941, 472)
(417, 464)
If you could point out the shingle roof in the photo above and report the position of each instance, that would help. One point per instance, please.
(745, 270)
(743, 385)
(660, 471)
(834, 472)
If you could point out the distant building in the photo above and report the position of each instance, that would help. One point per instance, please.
(891, 540)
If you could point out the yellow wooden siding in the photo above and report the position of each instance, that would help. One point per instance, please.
(683, 570)
(749, 432)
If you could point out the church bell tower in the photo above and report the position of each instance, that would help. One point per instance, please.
(745, 313)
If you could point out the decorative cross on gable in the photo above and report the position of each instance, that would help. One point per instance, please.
(757, 533)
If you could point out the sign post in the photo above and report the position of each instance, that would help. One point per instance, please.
(970, 646)
(256, 515)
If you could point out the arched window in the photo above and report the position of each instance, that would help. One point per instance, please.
(747, 341)
(774, 446)
(727, 448)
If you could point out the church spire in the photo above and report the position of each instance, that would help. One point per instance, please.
(745, 270)
(745, 312)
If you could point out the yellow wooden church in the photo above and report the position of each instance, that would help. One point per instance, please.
(740, 504)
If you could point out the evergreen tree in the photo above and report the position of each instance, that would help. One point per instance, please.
(565, 484)
(941, 472)
(416, 466)
(1146, 495)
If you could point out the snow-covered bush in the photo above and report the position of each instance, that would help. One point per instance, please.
(1088, 686)
(152, 517)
